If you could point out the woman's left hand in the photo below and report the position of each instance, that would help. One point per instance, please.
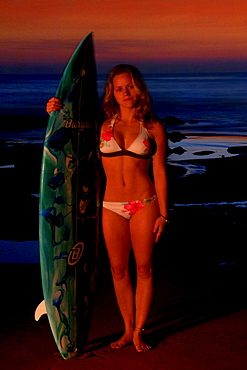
(159, 227)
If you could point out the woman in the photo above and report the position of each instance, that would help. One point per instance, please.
(135, 210)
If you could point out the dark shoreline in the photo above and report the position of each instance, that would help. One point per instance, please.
(224, 180)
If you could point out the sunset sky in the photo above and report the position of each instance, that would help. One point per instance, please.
(155, 35)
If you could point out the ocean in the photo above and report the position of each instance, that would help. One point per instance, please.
(216, 102)
(211, 107)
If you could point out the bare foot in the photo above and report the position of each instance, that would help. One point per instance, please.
(122, 342)
(139, 343)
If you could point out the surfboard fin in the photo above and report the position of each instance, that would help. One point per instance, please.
(40, 310)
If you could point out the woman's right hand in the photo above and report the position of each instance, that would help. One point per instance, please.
(53, 104)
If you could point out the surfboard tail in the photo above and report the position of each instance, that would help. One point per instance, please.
(40, 310)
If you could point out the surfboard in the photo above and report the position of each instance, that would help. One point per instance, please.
(69, 204)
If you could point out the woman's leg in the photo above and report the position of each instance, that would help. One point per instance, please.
(142, 238)
(117, 239)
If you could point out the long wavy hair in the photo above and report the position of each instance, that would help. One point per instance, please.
(110, 105)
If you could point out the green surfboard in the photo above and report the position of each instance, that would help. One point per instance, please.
(69, 204)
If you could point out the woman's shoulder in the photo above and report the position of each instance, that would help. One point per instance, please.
(106, 124)
(156, 128)
(157, 124)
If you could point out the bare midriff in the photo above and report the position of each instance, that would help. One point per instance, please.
(127, 179)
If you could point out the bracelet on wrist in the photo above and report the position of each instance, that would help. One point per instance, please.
(165, 218)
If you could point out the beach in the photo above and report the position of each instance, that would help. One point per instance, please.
(198, 317)
(197, 321)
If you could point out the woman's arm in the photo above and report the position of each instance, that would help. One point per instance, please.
(160, 177)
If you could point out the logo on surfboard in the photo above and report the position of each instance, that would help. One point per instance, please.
(69, 123)
(75, 254)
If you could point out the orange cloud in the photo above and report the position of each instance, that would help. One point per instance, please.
(160, 30)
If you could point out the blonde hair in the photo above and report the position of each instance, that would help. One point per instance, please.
(111, 107)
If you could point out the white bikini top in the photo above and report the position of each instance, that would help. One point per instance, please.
(143, 146)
